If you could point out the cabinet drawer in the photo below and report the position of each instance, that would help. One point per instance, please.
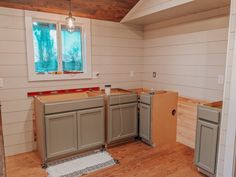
(209, 114)
(51, 108)
(145, 98)
(122, 99)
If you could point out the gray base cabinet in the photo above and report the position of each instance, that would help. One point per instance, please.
(61, 133)
(145, 121)
(207, 135)
(69, 127)
(122, 122)
(91, 130)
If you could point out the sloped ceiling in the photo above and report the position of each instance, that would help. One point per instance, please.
(112, 10)
(158, 11)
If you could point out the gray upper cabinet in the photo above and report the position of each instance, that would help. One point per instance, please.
(91, 130)
(61, 133)
(206, 145)
(122, 122)
(145, 121)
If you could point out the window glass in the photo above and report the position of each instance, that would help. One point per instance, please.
(45, 47)
(71, 50)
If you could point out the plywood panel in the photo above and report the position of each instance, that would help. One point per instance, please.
(187, 118)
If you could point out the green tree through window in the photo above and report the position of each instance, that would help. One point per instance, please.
(45, 47)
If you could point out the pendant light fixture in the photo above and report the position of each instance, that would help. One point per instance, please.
(70, 20)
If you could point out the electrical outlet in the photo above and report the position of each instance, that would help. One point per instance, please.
(154, 74)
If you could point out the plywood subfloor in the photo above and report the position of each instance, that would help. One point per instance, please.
(136, 160)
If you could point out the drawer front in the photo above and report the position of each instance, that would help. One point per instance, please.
(74, 105)
(145, 98)
(122, 99)
(209, 114)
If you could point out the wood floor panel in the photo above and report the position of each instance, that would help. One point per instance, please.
(136, 160)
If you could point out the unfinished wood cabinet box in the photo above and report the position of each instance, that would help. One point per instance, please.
(158, 117)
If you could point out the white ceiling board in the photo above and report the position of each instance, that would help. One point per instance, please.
(196, 10)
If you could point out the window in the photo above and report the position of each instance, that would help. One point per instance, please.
(53, 52)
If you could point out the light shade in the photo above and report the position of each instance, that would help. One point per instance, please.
(70, 23)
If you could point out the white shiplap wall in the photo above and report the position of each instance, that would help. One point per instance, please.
(187, 58)
(116, 50)
(224, 166)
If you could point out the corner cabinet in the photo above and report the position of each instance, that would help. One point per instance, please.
(69, 127)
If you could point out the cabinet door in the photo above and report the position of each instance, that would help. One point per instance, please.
(91, 128)
(122, 121)
(61, 136)
(144, 121)
(206, 146)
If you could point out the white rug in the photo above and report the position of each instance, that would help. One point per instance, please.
(81, 165)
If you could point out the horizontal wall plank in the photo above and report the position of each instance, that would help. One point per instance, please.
(12, 34)
(204, 71)
(20, 138)
(116, 51)
(116, 32)
(14, 22)
(188, 49)
(199, 82)
(12, 47)
(189, 38)
(196, 60)
(22, 82)
(20, 148)
(12, 129)
(13, 59)
(117, 42)
(16, 117)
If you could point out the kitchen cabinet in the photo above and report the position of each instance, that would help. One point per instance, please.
(207, 137)
(122, 117)
(206, 145)
(157, 117)
(61, 133)
(91, 128)
(145, 121)
(66, 127)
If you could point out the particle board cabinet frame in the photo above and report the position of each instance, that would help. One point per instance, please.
(162, 117)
